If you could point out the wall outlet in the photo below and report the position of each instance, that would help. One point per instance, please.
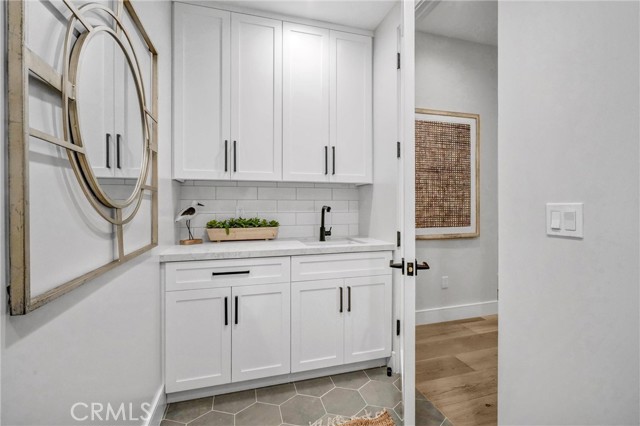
(445, 281)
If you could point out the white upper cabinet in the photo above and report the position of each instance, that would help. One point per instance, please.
(256, 98)
(305, 102)
(259, 99)
(351, 108)
(201, 92)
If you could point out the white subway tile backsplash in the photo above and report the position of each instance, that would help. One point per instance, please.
(296, 206)
(258, 205)
(237, 193)
(345, 194)
(276, 193)
(314, 193)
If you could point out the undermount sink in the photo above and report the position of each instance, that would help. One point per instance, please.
(335, 242)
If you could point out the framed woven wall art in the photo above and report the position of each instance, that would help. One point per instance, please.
(447, 175)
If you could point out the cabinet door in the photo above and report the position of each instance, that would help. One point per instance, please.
(198, 338)
(317, 318)
(256, 98)
(305, 103)
(95, 99)
(201, 92)
(368, 318)
(261, 334)
(351, 108)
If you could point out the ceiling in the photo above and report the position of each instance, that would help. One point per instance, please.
(363, 14)
(475, 21)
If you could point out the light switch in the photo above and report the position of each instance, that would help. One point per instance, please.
(565, 220)
(569, 221)
(555, 220)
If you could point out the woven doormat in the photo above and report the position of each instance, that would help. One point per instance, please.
(381, 419)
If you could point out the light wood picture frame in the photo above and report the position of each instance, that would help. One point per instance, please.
(447, 174)
(25, 64)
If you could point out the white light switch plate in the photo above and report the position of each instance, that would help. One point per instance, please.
(571, 220)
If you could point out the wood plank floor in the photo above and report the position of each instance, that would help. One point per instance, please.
(457, 369)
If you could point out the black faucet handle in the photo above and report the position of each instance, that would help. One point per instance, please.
(328, 232)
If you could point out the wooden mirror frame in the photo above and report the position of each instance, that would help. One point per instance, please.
(23, 62)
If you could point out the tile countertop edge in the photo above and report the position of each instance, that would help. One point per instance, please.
(239, 250)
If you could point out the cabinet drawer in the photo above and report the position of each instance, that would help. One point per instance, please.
(230, 272)
(344, 265)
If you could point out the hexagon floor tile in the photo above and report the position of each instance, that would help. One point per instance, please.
(304, 402)
(354, 380)
(302, 410)
(234, 402)
(186, 411)
(276, 394)
(259, 414)
(346, 402)
(315, 387)
(381, 394)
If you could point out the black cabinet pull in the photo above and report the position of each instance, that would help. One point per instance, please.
(226, 311)
(226, 155)
(348, 299)
(118, 140)
(333, 150)
(235, 156)
(340, 299)
(236, 310)
(213, 274)
(326, 160)
(108, 151)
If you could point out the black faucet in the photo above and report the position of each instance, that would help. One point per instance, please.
(324, 233)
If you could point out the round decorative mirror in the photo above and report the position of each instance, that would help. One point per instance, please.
(108, 115)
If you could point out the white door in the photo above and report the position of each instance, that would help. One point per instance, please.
(201, 93)
(256, 98)
(367, 318)
(351, 108)
(305, 103)
(407, 207)
(317, 324)
(261, 331)
(198, 338)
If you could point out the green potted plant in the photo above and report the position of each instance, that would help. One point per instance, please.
(238, 229)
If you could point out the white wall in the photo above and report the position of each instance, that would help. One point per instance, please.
(569, 131)
(102, 342)
(296, 206)
(457, 75)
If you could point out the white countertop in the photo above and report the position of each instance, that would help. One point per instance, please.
(283, 247)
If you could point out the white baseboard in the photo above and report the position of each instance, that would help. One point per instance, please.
(157, 408)
(451, 313)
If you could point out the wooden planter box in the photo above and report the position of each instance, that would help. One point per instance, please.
(242, 234)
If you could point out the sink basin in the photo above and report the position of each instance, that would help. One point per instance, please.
(334, 242)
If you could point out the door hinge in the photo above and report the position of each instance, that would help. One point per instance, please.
(398, 150)
(398, 60)
(397, 327)
(398, 239)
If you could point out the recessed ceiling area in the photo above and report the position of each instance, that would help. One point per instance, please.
(363, 14)
(475, 21)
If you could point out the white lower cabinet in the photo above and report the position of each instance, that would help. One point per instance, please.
(235, 320)
(317, 324)
(261, 331)
(198, 338)
(368, 320)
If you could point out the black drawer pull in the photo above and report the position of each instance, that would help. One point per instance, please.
(236, 310)
(226, 155)
(226, 311)
(348, 299)
(340, 299)
(213, 274)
